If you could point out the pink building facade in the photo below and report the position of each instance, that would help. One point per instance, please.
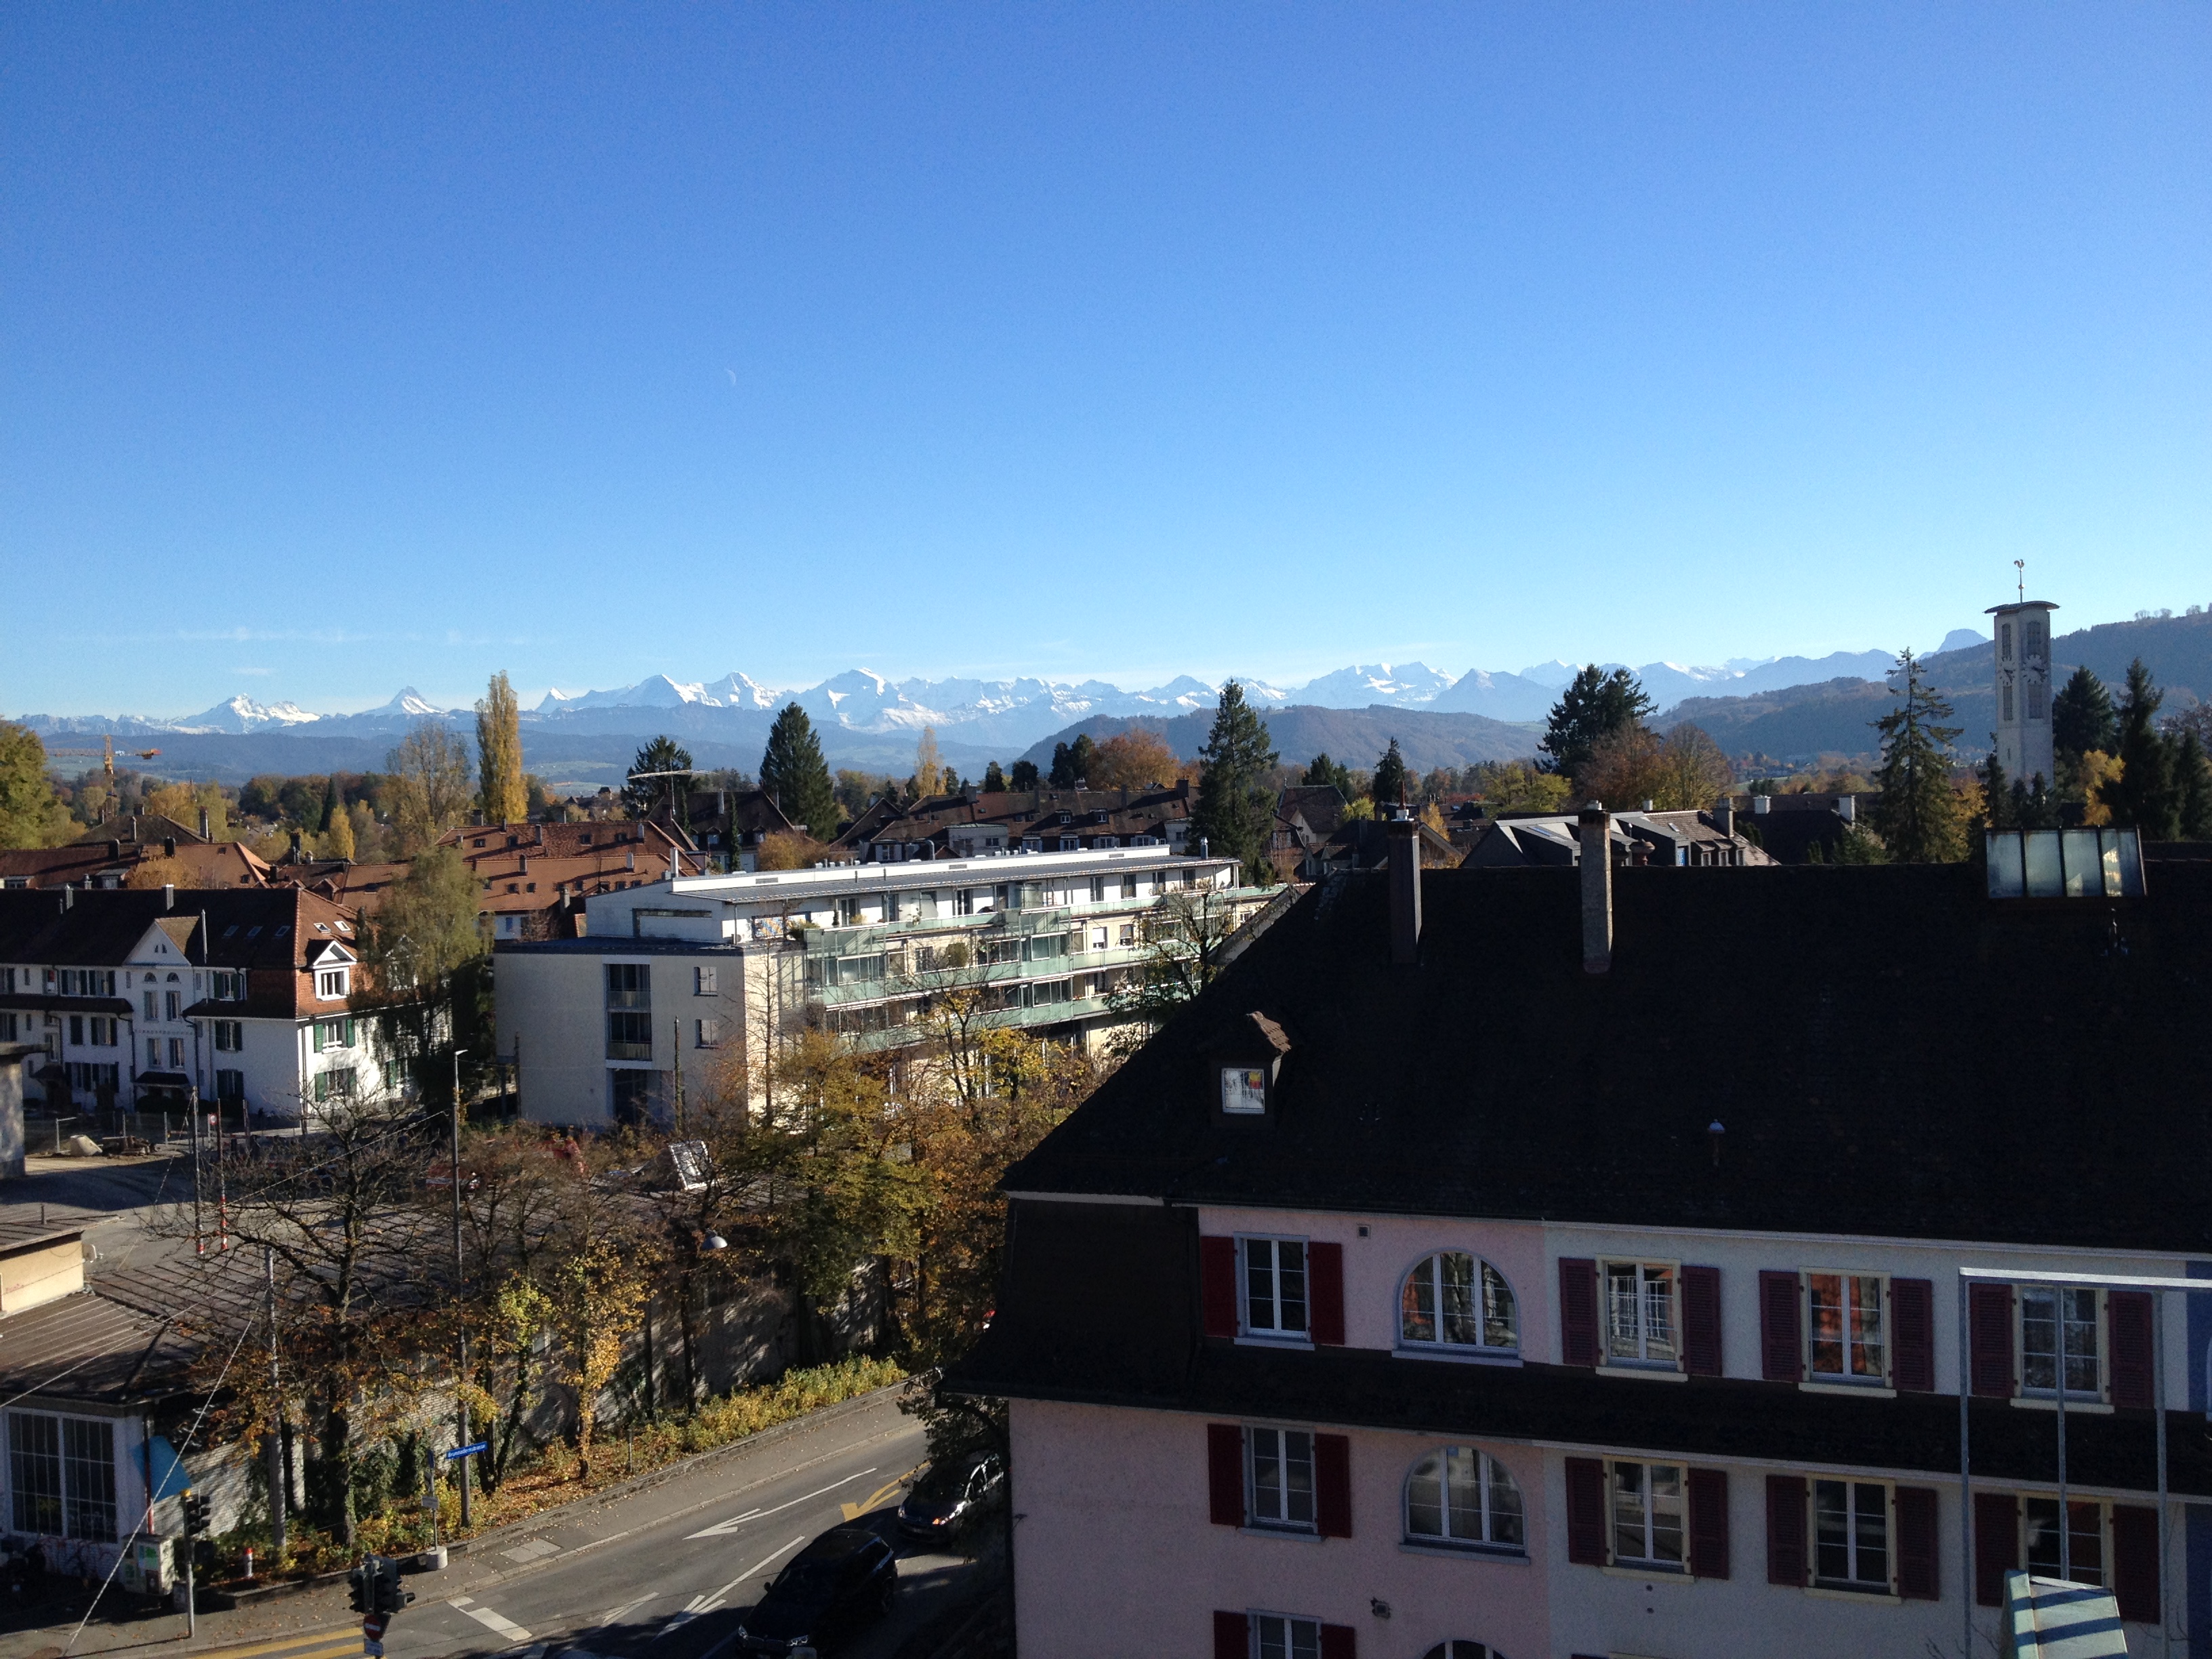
(1327, 1332)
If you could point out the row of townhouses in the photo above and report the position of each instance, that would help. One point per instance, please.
(142, 999)
(1520, 1261)
(699, 972)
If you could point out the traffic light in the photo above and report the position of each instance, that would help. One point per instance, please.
(196, 1514)
(386, 1598)
(358, 1583)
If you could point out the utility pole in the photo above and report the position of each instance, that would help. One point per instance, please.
(192, 1114)
(276, 1493)
(460, 1376)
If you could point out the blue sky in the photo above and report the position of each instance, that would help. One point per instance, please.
(346, 347)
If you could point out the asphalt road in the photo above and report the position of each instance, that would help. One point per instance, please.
(663, 1573)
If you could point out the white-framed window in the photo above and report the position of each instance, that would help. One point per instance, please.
(1279, 1636)
(229, 1036)
(1454, 1299)
(169, 1005)
(1274, 1285)
(1844, 1329)
(337, 1084)
(150, 1014)
(1278, 1478)
(2085, 1521)
(229, 1085)
(1458, 1495)
(227, 986)
(153, 1053)
(60, 1476)
(1129, 934)
(2047, 1315)
(1851, 1534)
(1243, 1090)
(702, 982)
(1640, 1323)
(330, 984)
(1648, 1509)
(176, 1054)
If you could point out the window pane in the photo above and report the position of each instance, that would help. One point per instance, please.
(1505, 1523)
(1266, 1475)
(1871, 1534)
(1463, 1486)
(1455, 1295)
(1659, 1313)
(1274, 1640)
(2081, 1307)
(1832, 1530)
(2037, 1340)
(1417, 1304)
(1866, 1326)
(1305, 1639)
(1628, 1537)
(1622, 1325)
(1501, 1324)
(1424, 1498)
(1665, 1513)
(1260, 1284)
(34, 1468)
(89, 1456)
(2088, 1565)
(1824, 1294)
(1290, 1283)
(1298, 1477)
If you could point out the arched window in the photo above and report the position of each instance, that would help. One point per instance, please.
(1461, 1650)
(1451, 1300)
(1461, 1496)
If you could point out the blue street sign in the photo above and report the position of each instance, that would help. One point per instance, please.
(468, 1451)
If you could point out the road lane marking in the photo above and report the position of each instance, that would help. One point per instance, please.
(854, 1511)
(490, 1620)
(613, 1613)
(712, 1603)
(750, 1515)
(318, 1645)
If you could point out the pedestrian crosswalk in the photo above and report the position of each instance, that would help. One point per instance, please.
(497, 1624)
(339, 1642)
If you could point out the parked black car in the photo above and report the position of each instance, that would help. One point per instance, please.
(844, 1579)
(948, 1494)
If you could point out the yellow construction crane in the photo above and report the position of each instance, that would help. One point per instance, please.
(106, 752)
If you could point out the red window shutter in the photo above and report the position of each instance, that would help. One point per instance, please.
(1577, 1311)
(1224, 1474)
(1780, 1348)
(1912, 1336)
(1216, 1283)
(1585, 1510)
(1339, 1641)
(1701, 1320)
(1989, 1338)
(1332, 1485)
(1325, 1294)
(2135, 1563)
(1708, 1523)
(1233, 1637)
(1997, 1545)
(2129, 1312)
(1785, 1527)
(1918, 1549)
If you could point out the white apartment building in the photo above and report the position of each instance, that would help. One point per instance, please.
(690, 974)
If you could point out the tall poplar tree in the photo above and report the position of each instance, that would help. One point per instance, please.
(796, 778)
(1234, 811)
(499, 753)
(1920, 817)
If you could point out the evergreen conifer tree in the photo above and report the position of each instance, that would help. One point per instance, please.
(1920, 819)
(1024, 775)
(2193, 778)
(1595, 705)
(1998, 793)
(642, 794)
(795, 776)
(1388, 787)
(2147, 793)
(1322, 772)
(2082, 716)
(1235, 813)
(993, 779)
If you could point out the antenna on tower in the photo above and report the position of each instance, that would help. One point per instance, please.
(2020, 565)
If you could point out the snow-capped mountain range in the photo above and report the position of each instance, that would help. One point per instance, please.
(1011, 713)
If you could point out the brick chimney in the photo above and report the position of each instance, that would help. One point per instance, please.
(1596, 828)
(1404, 861)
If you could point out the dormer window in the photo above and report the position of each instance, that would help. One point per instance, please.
(1244, 1091)
(330, 984)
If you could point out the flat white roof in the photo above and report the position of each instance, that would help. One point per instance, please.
(929, 872)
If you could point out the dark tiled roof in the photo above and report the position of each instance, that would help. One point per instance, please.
(1891, 1052)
